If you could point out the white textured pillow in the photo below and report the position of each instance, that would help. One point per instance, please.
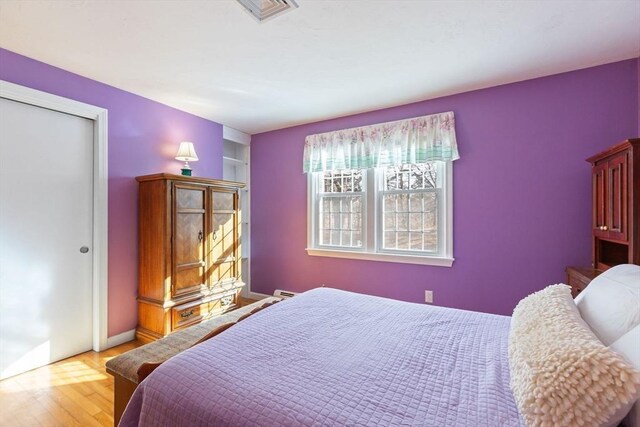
(611, 303)
(629, 346)
(561, 374)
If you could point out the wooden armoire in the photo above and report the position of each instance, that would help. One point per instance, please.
(616, 205)
(615, 231)
(189, 251)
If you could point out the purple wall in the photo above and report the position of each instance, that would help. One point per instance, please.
(143, 138)
(521, 192)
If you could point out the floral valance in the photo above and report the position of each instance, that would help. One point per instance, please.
(418, 140)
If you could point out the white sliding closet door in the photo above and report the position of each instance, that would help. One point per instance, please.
(46, 199)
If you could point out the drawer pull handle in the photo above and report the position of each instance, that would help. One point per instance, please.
(226, 301)
(186, 314)
(200, 235)
(605, 228)
(215, 236)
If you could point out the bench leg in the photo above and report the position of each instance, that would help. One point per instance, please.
(122, 391)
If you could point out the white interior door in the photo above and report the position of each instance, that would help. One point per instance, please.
(46, 199)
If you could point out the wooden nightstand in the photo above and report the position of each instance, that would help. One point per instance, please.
(579, 278)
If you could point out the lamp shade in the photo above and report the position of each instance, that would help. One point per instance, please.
(186, 152)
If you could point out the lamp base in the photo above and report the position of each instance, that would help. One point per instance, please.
(186, 172)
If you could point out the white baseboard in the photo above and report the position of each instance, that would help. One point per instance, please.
(257, 296)
(121, 338)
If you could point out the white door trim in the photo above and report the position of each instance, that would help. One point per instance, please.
(99, 116)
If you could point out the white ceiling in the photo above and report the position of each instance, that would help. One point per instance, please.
(322, 60)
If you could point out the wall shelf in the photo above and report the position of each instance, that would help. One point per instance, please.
(235, 167)
(233, 161)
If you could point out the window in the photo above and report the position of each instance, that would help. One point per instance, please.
(394, 213)
(383, 191)
(340, 209)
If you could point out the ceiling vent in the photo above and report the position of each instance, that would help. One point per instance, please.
(267, 9)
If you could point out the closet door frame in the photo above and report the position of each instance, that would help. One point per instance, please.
(99, 117)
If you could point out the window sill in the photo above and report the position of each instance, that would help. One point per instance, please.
(404, 259)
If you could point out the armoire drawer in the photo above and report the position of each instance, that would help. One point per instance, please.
(196, 311)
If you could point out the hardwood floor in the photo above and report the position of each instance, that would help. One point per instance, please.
(242, 301)
(72, 392)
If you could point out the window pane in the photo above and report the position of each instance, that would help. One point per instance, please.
(415, 202)
(346, 239)
(348, 183)
(415, 241)
(340, 210)
(411, 177)
(389, 240)
(389, 222)
(431, 241)
(356, 221)
(390, 203)
(345, 181)
(415, 222)
(430, 178)
(335, 204)
(341, 215)
(346, 221)
(430, 220)
(403, 202)
(403, 240)
(356, 204)
(414, 180)
(402, 221)
(357, 239)
(430, 202)
(337, 184)
(326, 220)
(357, 181)
(409, 208)
(335, 221)
(391, 179)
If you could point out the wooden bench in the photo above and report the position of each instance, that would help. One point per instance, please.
(130, 368)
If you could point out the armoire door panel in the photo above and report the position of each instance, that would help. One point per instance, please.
(189, 238)
(188, 279)
(222, 232)
(617, 208)
(223, 201)
(229, 240)
(188, 198)
(599, 197)
(189, 252)
(224, 271)
(224, 237)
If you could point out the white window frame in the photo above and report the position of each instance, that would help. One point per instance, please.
(372, 216)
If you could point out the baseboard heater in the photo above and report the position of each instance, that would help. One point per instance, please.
(284, 294)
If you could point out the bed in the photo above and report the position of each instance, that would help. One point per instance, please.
(329, 357)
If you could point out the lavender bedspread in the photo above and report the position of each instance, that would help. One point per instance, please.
(331, 358)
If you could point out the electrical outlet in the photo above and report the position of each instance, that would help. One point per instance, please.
(428, 297)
